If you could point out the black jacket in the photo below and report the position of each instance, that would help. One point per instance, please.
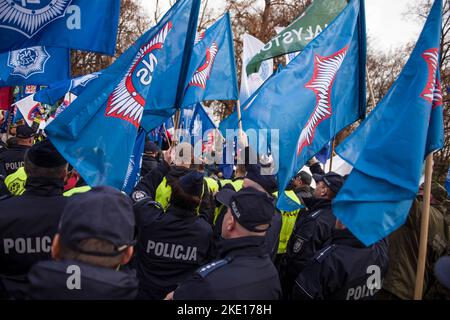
(12, 159)
(148, 164)
(171, 246)
(48, 281)
(312, 230)
(27, 226)
(344, 269)
(244, 272)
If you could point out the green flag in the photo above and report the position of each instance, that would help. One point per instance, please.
(300, 32)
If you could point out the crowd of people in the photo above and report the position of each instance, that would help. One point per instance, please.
(186, 233)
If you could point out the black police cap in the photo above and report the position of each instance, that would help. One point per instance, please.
(249, 206)
(332, 180)
(24, 132)
(192, 183)
(268, 182)
(151, 147)
(44, 154)
(102, 213)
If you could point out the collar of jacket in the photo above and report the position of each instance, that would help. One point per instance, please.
(314, 204)
(181, 212)
(178, 171)
(44, 187)
(48, 281)
(19, 147)
(346, 238)
(246, 246)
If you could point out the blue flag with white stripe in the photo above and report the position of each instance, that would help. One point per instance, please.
(89, 25)
(34, 65)
(388, 149)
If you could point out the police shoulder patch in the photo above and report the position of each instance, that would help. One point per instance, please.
(207, 269)
(325, 252)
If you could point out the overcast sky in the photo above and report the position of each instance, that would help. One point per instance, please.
(386, 24)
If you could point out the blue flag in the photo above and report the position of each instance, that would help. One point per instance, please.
(387, 150)
(135, 164)
(212, 71)
(58, 90)
(317, 95)
(97, 133)
(324, 154)
(200, 122)
(89, 25)
(34, 65)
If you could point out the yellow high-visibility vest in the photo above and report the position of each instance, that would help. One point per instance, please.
(288, 222)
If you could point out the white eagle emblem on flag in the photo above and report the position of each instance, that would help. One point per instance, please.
(29, 61)
(29, 16)
(126, 101)
(201, 76)
(433, 89)
(325, 71)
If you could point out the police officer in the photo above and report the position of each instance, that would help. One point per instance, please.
(263, 183)
(95, 239)
(244, 270)
(344, 269)
(314, 227)
(29, 222)
(150, 158)
(171, 244)
(12, 159)
(301, 184)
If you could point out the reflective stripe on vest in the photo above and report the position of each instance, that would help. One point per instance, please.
(74, 191)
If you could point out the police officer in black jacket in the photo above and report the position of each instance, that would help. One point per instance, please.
(13, 158)
(150, 158)
(29, 222)
(95, 239)
(313, 228)
(244, 270)
(345, 269)
(172, 244)
(263, 183)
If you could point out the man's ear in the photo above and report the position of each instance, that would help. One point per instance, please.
(56, 247)
(127, 256)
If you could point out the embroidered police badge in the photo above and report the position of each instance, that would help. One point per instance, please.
(29, 61)
(298, 245)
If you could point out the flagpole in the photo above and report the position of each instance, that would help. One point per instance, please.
(369, 85)
(333, 144)
(425, 219)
